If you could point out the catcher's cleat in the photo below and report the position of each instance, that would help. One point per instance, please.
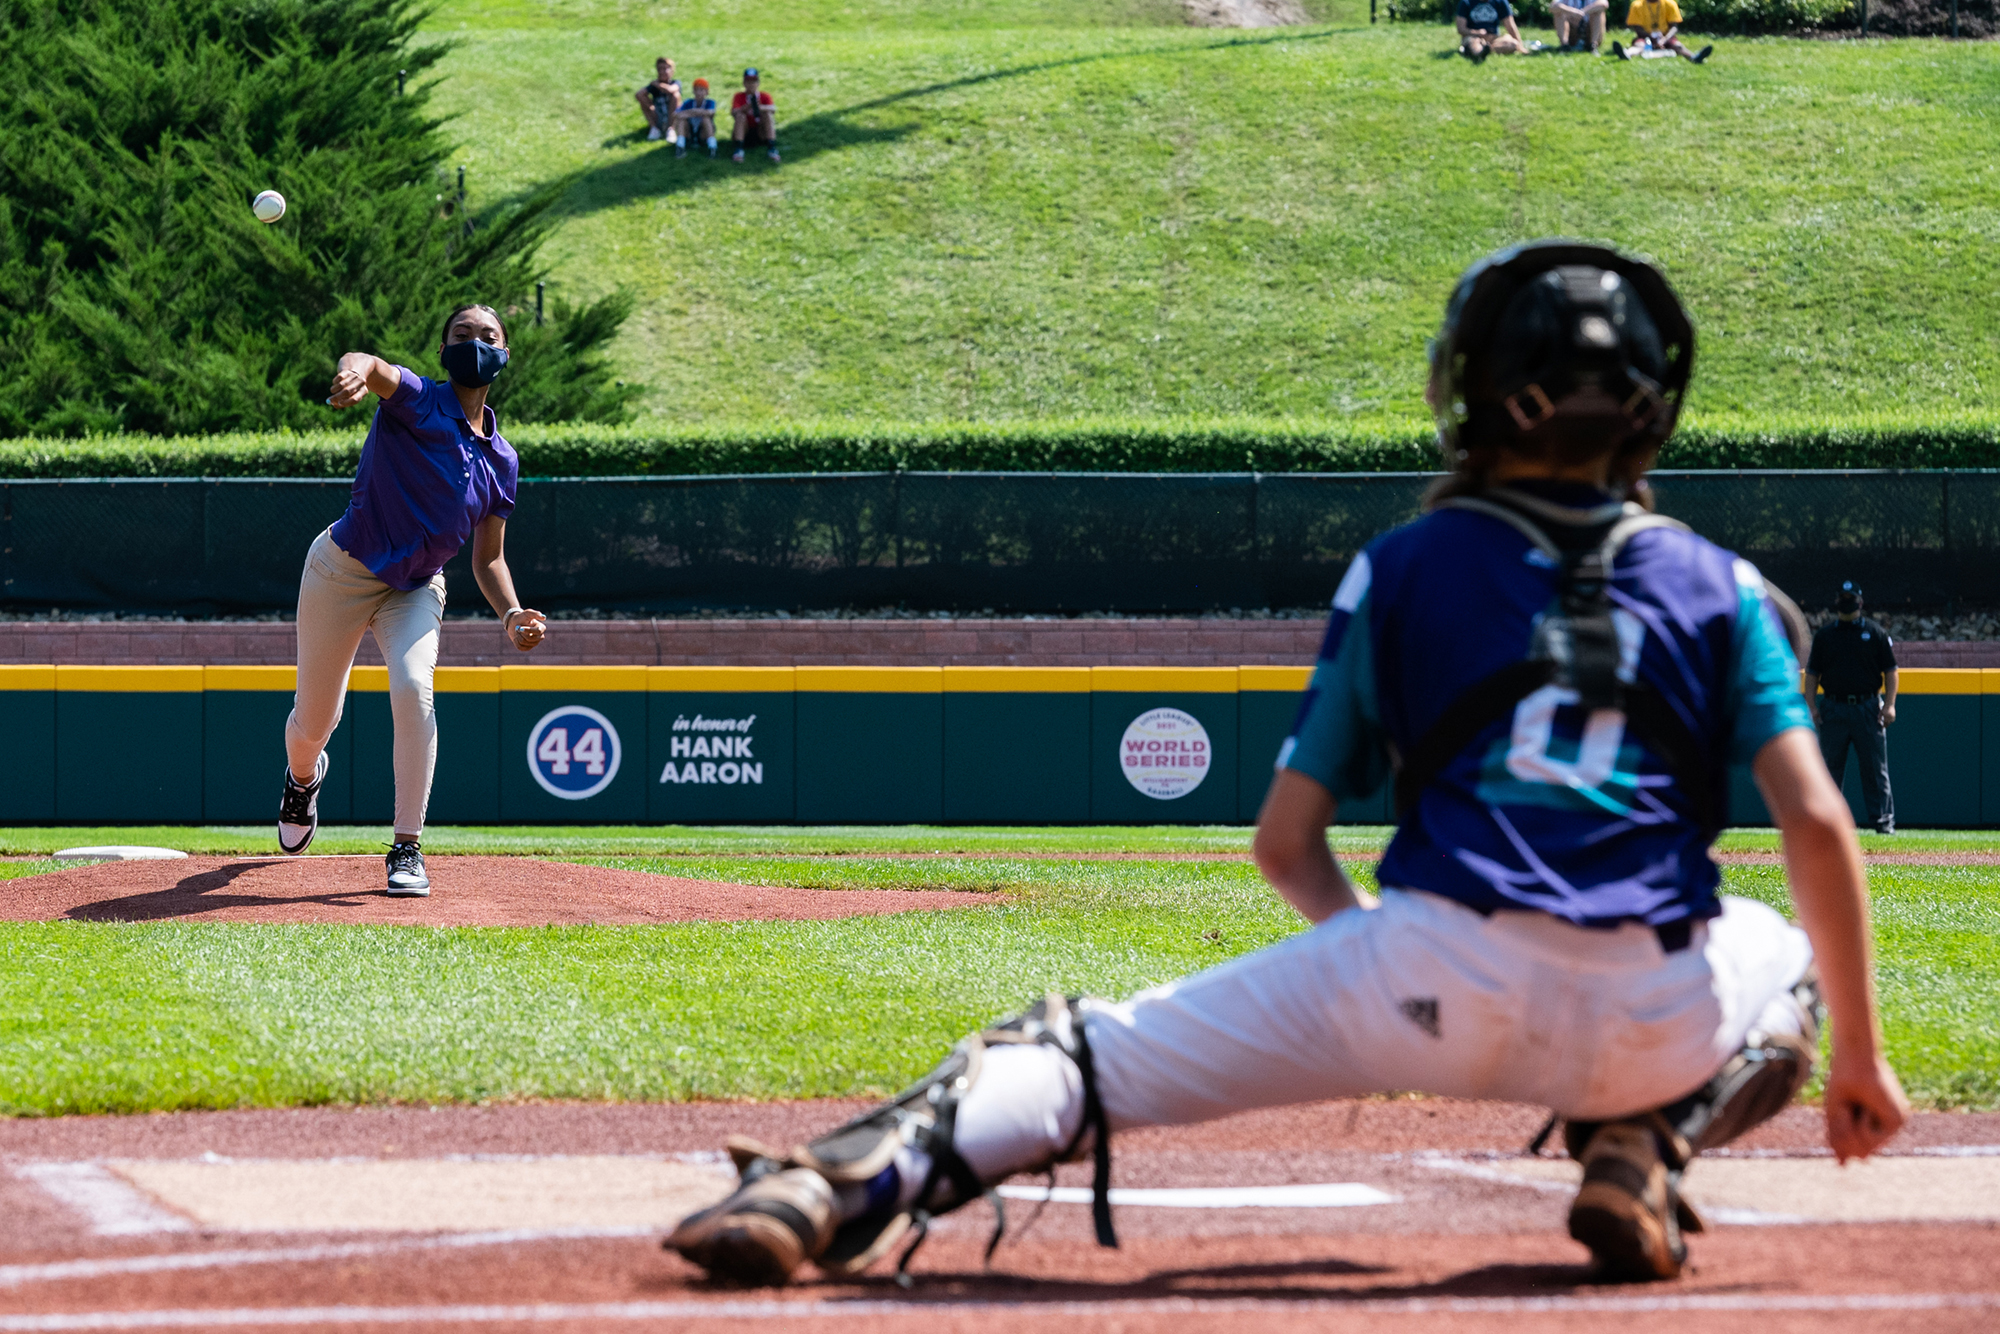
(1629, 1211)
(765, 1231)
(777, 1220)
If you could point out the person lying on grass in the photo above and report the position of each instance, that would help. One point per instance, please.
(1657, 23)
(1479, 29)
(658, 100)
(1579, 24)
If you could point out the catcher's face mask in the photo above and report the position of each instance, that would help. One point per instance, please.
(1540, 326)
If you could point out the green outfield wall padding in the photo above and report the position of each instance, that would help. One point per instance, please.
(28, 779)
(721, 757)
(368, 719)
(1989, 750)
(243, 759)
(1940, 770)
(1163, 757)
(868, 758)
(1017, 758)
(129, 757)
(574, 756)
(466, 789)
(755, 745)
(1928, 787)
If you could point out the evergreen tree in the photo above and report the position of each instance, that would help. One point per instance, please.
(138, 293)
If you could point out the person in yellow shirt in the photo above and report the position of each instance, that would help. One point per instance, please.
(1658, 24)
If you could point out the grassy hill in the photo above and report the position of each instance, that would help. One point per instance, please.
(1063, 208)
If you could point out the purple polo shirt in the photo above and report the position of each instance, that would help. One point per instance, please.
(425, 482)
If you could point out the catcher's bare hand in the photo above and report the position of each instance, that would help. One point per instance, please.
(1865, 1106)
(527, 628)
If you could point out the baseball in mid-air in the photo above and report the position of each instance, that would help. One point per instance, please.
(268, 206)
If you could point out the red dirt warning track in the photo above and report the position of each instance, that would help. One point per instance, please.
(465, 891)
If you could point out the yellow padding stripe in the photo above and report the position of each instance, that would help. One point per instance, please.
(1938, 681)
(28, 677)
(1989, 680)
(872, 680)
(1159, 680)
(1018, 680)
(250, 678)
(466, 681)
(574, 678)
(374, 680)
(758, 680)
(130, 680)
(1287, 679)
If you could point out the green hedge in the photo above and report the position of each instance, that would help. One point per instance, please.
(1085, 446)
(1698, 15)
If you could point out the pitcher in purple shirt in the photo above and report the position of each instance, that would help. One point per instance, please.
(429, 480)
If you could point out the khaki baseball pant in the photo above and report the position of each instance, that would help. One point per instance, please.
(339, 597)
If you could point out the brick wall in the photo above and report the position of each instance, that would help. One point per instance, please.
(1162, 641)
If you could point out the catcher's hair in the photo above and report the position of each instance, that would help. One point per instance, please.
(1471, 465)
(457, 311)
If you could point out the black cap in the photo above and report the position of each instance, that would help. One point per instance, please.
(1849, 598)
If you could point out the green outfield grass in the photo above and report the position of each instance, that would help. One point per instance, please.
(98, 1017)
(1057, 208)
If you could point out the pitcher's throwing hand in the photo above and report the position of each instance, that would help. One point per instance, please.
(526, 627)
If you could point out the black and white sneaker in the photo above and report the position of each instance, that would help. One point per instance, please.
(1618, 49)
(406, 872)
(298, 810)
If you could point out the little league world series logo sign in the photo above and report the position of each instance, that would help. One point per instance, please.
(1165, 753)
(573, 752)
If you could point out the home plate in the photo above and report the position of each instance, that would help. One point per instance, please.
(1328, 1195)
(1799, 1190)
(582, 1193)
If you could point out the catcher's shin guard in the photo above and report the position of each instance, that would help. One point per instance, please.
(788, 1208)
(1629, 1210)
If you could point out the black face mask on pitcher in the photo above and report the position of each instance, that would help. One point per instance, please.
(472, 363)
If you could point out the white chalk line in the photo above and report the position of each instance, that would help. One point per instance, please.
(1327, 1195)
(60, 1270)
(111, 1205)
(872, 1309)
(1442, 1162)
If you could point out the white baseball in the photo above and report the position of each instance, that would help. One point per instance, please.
(268, 206)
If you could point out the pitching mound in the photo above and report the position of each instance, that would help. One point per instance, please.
(465, 891)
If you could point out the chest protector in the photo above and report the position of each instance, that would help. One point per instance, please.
(1574, 646)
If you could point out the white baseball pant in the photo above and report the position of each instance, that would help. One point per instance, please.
(1418, 995)
(339, 597)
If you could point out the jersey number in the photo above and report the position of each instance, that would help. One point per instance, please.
(556, 753)
(1528, 757)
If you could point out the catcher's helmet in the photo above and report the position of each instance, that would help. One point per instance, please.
(1531, 325)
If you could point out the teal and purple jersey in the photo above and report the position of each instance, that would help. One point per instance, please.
(426, 480)
(1553, 809)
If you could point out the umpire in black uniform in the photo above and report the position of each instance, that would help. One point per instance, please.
(1854, 662)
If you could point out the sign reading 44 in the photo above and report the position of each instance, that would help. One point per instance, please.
(573, 752)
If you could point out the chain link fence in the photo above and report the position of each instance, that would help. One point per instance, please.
(1004, 542)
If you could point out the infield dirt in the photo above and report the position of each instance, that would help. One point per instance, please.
(1457, 1243)
(465, 891)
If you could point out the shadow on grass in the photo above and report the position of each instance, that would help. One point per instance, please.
(659, 174)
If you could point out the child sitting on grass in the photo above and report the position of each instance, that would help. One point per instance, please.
(1657, 22)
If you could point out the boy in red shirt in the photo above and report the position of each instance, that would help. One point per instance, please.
(755, 117)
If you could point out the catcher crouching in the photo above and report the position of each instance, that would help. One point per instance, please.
(1555, 679)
